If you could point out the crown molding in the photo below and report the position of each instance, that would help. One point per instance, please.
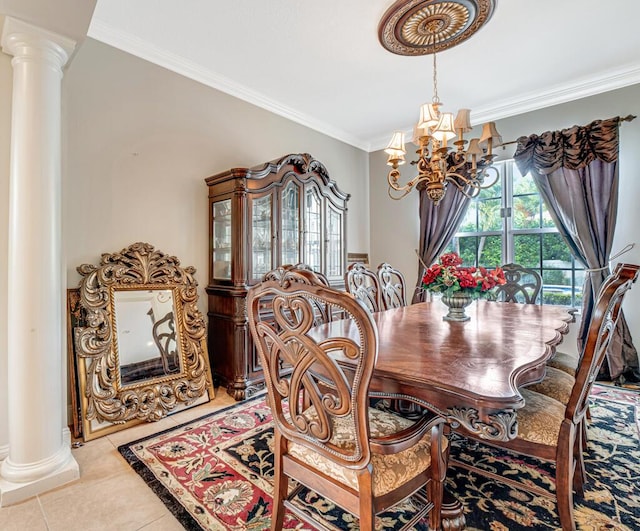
(583, 88)
(533, 101)
(140, 48)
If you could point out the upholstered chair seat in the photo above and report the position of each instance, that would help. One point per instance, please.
(390, 471)
(556, 384)
(565, 362)
(540, 419)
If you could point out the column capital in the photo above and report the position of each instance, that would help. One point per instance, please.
(24, 40)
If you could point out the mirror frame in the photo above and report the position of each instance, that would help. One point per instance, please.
(104, 400)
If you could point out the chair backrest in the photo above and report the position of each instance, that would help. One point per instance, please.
(601, 329)
(305, 267)
(363, 284)
(393, 288)
(523, 285)
(299, 365)
(323, 313)
(164, 336)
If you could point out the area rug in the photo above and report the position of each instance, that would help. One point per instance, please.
(215, 473)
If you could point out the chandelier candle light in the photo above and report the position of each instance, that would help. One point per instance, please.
(421, 27)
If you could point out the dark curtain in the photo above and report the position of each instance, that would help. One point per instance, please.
(438, 224)
(576, 171)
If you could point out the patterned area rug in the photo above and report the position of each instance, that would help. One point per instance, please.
(215, 473)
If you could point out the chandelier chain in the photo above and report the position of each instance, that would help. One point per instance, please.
(435, 98)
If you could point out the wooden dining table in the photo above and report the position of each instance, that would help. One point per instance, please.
(468, 372)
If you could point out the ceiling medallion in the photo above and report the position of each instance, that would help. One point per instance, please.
(422, 27)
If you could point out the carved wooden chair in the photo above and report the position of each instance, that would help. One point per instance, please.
(164, 336)
(305, 267)
(552, 430)
(363, 284)
(561, 370)
(393, 288)
(523, 285)
(364, 460)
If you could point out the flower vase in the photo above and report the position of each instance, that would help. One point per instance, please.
(456, 303)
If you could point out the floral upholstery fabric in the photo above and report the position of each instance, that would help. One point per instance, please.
(565, 362)
(389, 471)
(540, 419)
(557, 384)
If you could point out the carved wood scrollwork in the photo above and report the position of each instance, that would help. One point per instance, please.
(107, 396)
(314, 368)
(501, 426)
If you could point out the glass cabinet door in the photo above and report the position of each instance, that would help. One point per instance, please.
(290, 224)
(222, 242)
(262, 236)
(312, 229)
(334, 254)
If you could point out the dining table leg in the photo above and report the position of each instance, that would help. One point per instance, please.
(452, 513)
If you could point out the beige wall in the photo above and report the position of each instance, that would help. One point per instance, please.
(139, 141)
(66, 17)
(395, 225)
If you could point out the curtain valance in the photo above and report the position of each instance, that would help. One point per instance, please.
(572, 148)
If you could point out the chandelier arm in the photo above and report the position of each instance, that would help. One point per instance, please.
(398, 197)
(457, 163)
(392, 179)
(483, 174)
(463, 188)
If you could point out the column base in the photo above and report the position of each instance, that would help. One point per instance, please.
(12, 493)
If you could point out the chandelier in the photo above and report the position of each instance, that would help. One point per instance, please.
(467, 169)
(421, 27)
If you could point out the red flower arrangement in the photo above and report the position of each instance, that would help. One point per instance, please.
(448, 276)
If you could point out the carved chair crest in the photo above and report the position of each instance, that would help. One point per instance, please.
(523, 285)
(393, 290)
(363, 284)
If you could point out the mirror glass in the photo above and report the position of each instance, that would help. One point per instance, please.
(147, 341)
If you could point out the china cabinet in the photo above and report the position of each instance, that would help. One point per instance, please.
(287, 211)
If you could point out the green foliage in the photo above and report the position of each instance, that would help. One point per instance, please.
(557, 298)
(546, 253)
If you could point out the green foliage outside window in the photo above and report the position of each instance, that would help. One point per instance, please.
(527, 236)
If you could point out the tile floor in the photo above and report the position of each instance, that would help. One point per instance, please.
(109, 495)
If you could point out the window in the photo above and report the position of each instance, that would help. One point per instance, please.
(509, 223)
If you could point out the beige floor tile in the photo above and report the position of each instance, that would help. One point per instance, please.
(141, 430)
(166, 523)
(99, 460)
(25, 516)
(109, 495)
(120, 503)
(221, 401)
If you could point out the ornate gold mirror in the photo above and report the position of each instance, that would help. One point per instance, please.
(142, 353)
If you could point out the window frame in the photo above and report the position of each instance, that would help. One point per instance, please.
(508, 234)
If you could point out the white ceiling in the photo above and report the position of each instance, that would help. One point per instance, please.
(319, 62)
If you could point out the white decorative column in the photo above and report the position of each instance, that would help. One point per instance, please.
(39, 451)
